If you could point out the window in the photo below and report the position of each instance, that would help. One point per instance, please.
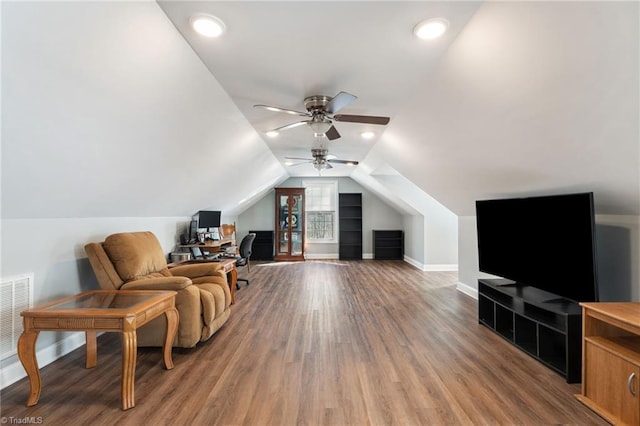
(320, 211)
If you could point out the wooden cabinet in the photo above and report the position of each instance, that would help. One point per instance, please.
(611, 359)
(289, 224)
(388, 245)
(350, 211)
(533, 321)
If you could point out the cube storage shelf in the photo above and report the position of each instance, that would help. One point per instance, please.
(388, 244)
(538, 322)
(263, 245)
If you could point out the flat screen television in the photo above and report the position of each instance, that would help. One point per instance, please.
(209, 219)
(546, 242)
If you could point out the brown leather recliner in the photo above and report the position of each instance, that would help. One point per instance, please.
(135, 261)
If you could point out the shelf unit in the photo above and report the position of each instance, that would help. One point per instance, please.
(611, 345)
(538, 322)
(263, 247)
(350, 221)
(388, 244)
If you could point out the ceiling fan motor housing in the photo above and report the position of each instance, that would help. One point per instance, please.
(316, 103)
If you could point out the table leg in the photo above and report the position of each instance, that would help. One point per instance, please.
(91, 357)
(172, 327)
(27, 356)
(129, 354)
(232, 278)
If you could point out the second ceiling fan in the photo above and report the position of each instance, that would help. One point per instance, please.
(321, 111)
(322, 160)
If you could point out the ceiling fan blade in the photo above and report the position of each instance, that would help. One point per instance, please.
(366, 119)
(332, 133)
(350, 162)
(301, 162)
(278, 109)
(298, 158)
(340, 101)
(290, 126)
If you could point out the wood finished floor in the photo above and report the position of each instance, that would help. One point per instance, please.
(320, 342)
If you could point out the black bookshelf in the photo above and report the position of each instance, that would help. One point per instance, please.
(388, 244)
(263, 247)
(350, 211)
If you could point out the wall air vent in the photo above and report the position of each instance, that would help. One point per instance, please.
(16, 295)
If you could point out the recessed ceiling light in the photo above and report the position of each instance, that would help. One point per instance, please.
(207, 25)
(431, 28)
(272, 133)
(367, 135)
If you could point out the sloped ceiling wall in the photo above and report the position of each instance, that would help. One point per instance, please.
(107, 112)
(532, 98)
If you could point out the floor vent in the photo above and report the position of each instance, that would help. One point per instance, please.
(16, 295)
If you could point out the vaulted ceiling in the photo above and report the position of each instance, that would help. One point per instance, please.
(526, 97)
(119, 109)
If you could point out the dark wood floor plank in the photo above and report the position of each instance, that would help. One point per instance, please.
(321, 342)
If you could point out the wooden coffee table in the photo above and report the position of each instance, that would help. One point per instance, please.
(122, 311)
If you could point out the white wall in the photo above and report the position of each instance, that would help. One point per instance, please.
(375, 215)
(110, 123)
(53, 249)
(617, 248)
(106, 107)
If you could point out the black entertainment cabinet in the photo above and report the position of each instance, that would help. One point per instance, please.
(538, 322)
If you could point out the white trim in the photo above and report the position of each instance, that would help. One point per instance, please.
(443, 267)
(321, 256)
(13, 370)
(468, 290)
(432, 267)
(411, 261)
(368, 256)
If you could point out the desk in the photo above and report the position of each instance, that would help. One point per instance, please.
(210, 244)
(229, 265)
(122, 311)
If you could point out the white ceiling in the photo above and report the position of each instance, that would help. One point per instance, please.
(278, 53)
(115, 109)
(518, 98)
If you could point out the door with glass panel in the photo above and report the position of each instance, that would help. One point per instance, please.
(289, 224)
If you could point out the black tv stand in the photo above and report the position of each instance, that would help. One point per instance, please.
(560, 301)
(542, 324)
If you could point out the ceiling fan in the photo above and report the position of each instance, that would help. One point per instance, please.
(321, 111)
(321, 160)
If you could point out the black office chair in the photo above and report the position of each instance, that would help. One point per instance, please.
(245, 256)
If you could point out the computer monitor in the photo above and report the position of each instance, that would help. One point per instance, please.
(209, 219)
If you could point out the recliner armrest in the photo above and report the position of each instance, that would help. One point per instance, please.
(196, 270)
(161, 283)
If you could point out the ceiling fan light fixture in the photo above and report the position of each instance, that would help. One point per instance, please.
(207, 25)
(431, 28)
(320, 126)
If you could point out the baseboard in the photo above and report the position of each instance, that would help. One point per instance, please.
(321, 256)
(430, 267)
(469, 291)
(325, 256)
(13, 370)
